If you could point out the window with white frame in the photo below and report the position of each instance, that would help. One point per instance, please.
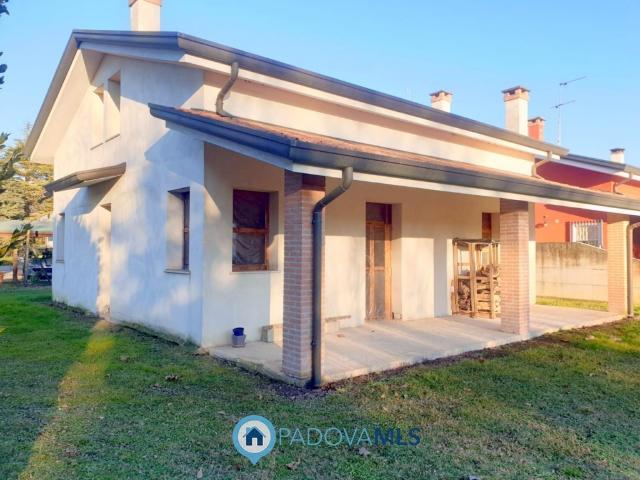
(588, 232)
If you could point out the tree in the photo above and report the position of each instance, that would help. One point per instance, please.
(8, 159)
(22, 197)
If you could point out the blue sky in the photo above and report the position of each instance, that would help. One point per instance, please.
(406, 48)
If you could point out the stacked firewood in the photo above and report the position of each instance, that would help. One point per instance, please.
(483, 295)
(464, 296)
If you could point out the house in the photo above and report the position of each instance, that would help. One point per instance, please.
(253, 434)
(563, 224)
(200, 188)
(41, 231)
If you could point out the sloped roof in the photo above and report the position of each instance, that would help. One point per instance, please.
(312, 149)
(186, 44)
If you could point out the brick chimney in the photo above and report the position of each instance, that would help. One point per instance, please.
(617, 155)
(145, 15)
(536, 128)
(516, 109)
(442, 100)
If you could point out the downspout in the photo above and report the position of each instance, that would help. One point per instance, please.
(235, 68)
(536, 165)
(630, 229)
(318, 254)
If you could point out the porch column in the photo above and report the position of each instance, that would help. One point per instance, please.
(514, 266)
(617, 262)
(301, 192)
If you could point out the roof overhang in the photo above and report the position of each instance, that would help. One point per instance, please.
(86, 178)
(608, 167)
(299, 155)
(174, 46)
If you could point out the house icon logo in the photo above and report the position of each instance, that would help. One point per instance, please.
(254, 437)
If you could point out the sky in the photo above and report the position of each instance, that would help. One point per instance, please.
(473, 48)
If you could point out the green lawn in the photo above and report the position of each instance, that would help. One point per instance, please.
(80, 399)
(573, 302)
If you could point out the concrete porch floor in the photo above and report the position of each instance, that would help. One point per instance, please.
(385, 345)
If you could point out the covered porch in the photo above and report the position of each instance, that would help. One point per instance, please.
(385, 345)
(428, 202)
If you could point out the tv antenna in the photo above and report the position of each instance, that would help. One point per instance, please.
(558, 106)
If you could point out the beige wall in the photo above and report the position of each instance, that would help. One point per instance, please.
(272, 105)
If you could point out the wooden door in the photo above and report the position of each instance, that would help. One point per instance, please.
(378, 261)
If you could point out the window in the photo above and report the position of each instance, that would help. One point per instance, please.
(178, 229)
(487, 230)
(590, 232)
(250, 230)
(97, 117)
(59, 240)
(112, 108)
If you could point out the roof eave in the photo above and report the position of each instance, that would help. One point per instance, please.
(329, 157)
(54, 88)
(86, 178)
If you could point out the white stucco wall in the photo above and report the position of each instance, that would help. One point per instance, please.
(158, 160)
(239, 299)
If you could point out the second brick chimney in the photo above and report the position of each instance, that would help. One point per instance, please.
(536, 128)
(516, 109)
(145, 15)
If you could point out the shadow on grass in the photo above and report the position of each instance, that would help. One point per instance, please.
(37, 347)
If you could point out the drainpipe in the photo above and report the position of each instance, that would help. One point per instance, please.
(318, 253)
(630, 230)
(536, 165)
(235, 68)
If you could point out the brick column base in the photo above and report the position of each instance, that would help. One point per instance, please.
(514, 266)
(617, 262)
(301, 193)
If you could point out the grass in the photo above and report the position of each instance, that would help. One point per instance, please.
(83, 399)
(578, 303)
(573, 303)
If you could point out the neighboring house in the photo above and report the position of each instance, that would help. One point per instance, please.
(563, 224)
(41, 233)
(187, 174)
